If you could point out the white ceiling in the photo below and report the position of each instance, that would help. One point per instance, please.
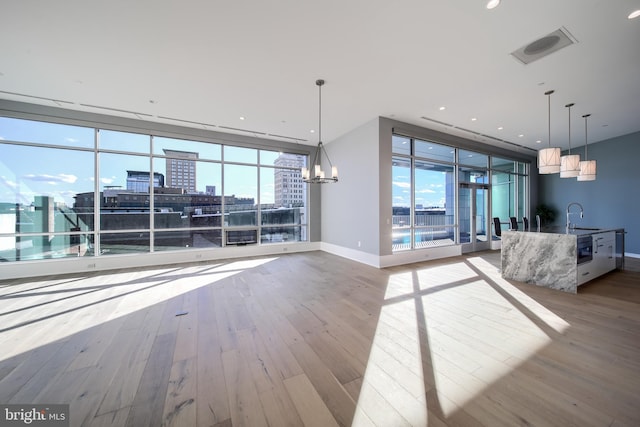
(213, 61)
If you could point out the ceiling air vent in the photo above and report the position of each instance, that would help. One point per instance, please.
(544, 46)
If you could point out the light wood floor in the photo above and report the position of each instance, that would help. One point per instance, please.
(316, 340)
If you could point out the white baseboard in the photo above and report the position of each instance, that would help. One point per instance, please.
(400, 258)
(113, 262)
(352, 254)
(408, 257)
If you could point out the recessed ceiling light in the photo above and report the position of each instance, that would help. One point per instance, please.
(312, 131)
(473, 119)
(492, 4)
(634, 14)
(500, 128)
(442, 108)
(521, 135)
(242, 117)
(538, 141)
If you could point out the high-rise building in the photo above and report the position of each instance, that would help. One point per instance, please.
(289, 187)
(138, 181)
(181, 169)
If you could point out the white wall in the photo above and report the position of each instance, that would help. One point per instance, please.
(350, 207)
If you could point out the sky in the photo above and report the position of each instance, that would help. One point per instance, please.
(430, 188)
(27, 171)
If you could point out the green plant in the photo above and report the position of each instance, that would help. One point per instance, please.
(547, 214)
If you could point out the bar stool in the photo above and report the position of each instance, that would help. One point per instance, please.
(514, 223)
(496, 226)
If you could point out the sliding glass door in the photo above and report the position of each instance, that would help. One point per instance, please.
(473, 205)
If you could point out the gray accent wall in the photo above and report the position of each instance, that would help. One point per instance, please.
(612, 200)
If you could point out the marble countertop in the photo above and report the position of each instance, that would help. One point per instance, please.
(578, 231)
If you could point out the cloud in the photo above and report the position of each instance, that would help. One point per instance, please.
(72, 140)
(426, 190)
(8, 182)
(67, 194)
(52, 179)
(402, 184)
(107, 180)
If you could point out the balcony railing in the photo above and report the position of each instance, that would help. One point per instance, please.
(399, 221)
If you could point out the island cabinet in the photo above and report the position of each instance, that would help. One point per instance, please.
(554, 260)
(603, 257)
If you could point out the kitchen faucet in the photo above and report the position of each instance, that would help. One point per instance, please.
(569, 213)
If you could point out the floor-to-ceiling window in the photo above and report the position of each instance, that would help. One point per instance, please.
(84, 191)
(423, 194)
(445, 195)
(509, 190)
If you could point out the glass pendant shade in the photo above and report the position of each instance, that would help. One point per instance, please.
(587, 167)
(569, 166)
(587, 170)
(549, 160)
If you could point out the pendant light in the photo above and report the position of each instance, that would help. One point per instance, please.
(549, 158)
(587, 167)
(316, 166)
(569, 164)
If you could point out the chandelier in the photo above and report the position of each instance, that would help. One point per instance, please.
(316, 166)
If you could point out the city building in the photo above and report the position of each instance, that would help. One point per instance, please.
(290, 190)
(138, 181)
(181, 170)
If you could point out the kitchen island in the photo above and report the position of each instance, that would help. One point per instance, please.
(559, 260)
